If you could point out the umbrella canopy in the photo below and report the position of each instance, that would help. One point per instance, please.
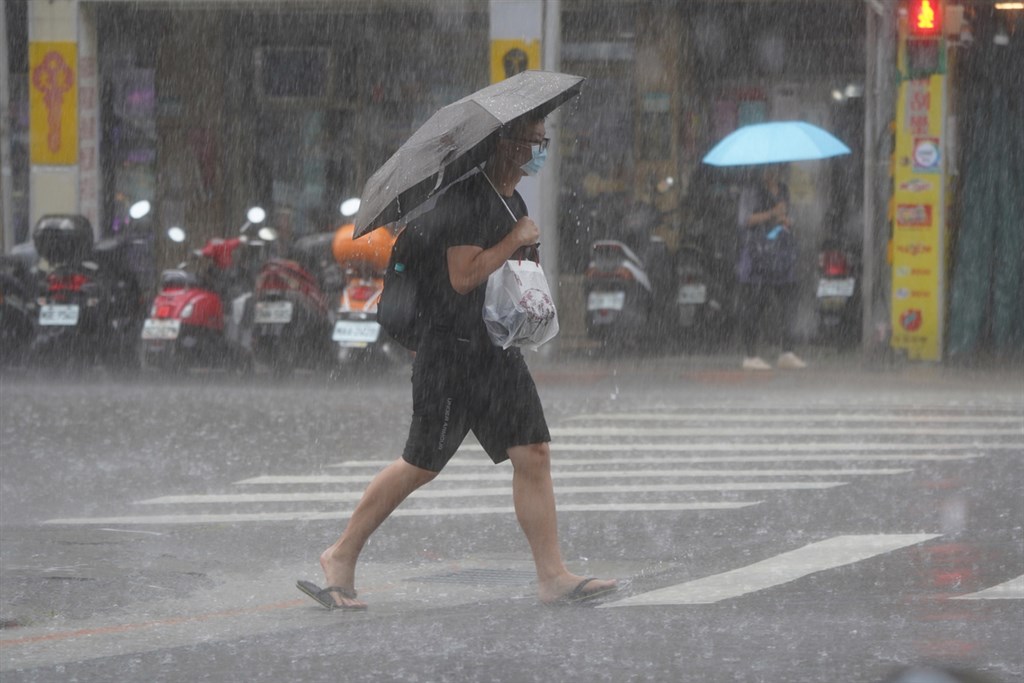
(454, 140)
(775, 142)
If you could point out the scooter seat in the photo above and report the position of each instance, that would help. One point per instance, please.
(178, 279)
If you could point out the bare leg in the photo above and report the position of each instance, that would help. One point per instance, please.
(388, 489)
(534, 497)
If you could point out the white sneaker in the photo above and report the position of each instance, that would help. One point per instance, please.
(755, 363)
(790, 361)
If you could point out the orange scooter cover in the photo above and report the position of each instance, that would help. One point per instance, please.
(372, 249)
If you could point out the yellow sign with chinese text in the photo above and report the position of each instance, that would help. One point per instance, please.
(53, 103)
(918, 219)
(509, 57)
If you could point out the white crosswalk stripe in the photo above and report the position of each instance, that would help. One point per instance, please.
(929, 431)
(657, 462)
(931, 416)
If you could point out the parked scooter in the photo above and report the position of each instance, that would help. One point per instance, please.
(18, 309)
(202, 317)
(91, 306)
(628, 284)
(838, 309)
(357, 334)
(291, 325)
(704, 298)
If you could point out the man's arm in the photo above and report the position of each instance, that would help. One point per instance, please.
(469, 266)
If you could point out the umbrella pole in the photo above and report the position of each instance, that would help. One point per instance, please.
(551, 34)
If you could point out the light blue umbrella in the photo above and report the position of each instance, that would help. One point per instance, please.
(775, 142)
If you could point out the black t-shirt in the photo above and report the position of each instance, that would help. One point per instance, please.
(471, 215)
(767, 200)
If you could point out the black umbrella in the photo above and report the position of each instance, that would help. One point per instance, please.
(454, 140)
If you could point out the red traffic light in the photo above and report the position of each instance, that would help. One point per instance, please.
(926, 18)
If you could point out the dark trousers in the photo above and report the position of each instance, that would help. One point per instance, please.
(768, 312)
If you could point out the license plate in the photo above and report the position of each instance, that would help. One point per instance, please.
(58, 314)
(161, 329)
(273, 312)
(692, 294)
(827, 288)
(356, 332)
(606, 301)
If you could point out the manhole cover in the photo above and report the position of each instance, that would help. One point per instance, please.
(482, 577)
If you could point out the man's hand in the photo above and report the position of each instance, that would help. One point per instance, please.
(468, 266)
(525, 232)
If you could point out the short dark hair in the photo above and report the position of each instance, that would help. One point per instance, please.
(513, 128)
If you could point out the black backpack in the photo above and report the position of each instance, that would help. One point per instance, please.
(412, 278)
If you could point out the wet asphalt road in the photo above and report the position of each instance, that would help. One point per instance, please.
(831, 525)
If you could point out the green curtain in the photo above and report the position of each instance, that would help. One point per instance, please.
(986, 313)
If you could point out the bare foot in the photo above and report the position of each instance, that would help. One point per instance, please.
(342, 573)
(573, 588)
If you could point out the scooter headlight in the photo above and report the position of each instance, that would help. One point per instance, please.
(188, 310)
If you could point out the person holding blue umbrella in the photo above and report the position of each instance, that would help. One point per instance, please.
(766, 269)
(766, 264)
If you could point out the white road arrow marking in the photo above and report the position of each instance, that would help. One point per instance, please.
(784, 568)
(1010, 590)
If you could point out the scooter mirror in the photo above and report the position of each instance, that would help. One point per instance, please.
(256, 214)
(176, 234)
(267, 234)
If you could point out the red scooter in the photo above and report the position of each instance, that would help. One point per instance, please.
(291, 326)
(202, 317)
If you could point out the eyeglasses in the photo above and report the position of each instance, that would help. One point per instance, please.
(530, 143)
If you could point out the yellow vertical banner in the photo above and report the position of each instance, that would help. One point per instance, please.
(919, 219)
(53, 103)
(512, 56)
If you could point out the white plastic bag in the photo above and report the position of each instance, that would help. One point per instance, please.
(518, 308)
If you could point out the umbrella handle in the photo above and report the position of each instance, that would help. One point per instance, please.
(437, 185)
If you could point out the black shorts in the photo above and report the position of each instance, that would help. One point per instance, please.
(456, 389)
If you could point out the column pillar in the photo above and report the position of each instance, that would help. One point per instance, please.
(526, 34)
(53, 108)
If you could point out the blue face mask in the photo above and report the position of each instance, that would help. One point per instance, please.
(533, 166)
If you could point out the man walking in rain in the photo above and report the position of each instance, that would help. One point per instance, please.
(462, 382)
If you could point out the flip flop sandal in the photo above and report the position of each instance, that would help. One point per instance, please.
(577, 594)
(323, 596)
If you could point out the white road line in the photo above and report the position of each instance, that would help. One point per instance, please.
(784, 568)
(790, 431)
(298, 516)
(1010, 590)
(690, 459)
(505, 474)
(504, 491)
(797, 416)
(775, 447)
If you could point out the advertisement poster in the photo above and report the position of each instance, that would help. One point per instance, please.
(512, 56)
(919, 220)
(53, 103)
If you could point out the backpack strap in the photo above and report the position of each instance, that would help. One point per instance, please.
(503, 202)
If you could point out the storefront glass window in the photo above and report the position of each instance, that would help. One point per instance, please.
(17, 67)
(128, 118)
